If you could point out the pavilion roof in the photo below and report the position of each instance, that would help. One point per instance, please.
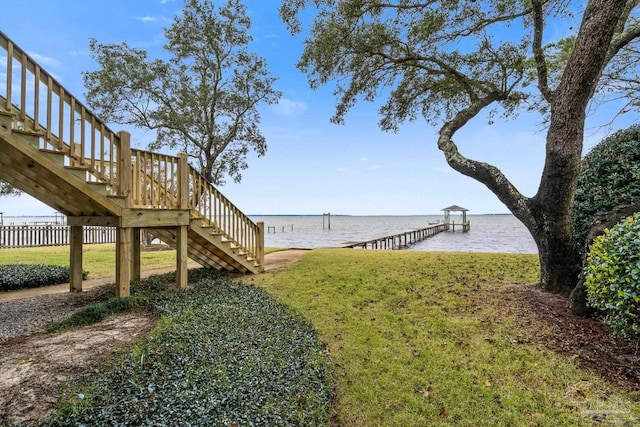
(455, 208)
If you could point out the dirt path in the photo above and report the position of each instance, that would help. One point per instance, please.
(38, 370)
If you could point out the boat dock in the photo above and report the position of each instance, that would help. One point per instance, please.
(401, 240)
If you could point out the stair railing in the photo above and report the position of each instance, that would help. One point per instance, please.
(167, 182)
(44, 107)
(225, 217)
(155, 180)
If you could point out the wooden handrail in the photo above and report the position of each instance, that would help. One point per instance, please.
(45, 108)
(216, 210)
(65, 125)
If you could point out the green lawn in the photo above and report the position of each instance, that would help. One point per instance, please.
(97, 260)
(410, 346)
(423, 338)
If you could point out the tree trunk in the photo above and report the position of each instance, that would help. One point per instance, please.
(559, 258)
(560, 262)
(548, 214)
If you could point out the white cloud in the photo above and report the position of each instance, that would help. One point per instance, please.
(289, 108)
(343, 170)
(364, 159)
(375, 167)
(146, 18)
(166, 1)
(44, 60)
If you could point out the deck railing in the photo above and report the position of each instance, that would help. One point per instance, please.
(155, 180)
(65, 125)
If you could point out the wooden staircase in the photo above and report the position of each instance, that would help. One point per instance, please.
(53, 148)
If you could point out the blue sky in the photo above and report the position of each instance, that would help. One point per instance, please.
(311, 166)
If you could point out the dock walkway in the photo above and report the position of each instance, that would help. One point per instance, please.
(401, 240)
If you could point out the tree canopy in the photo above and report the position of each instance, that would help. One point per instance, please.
(448, 61)
(203, 100)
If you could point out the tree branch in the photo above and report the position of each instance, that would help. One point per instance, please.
(538, 51)
(485, 173)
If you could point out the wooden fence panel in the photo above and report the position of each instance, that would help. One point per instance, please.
(23, 236)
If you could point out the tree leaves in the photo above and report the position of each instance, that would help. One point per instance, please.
(203, 100)
(7, 189)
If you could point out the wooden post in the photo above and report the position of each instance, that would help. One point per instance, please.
(183, 230)
(124, 166)
(124, 237)
(260, 245)
(75, 259)
(135, 258)
(181, 256)
(183, 180)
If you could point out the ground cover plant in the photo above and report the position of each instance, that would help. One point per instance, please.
(23, 276)
(222, 353)
(421, 338)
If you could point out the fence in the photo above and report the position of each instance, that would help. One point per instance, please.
(17, 236)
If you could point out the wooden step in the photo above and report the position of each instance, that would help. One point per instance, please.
(56, 157)
(78, 172)
(27, 138)
(102, 188)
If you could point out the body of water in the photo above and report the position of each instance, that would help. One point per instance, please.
(489, 233)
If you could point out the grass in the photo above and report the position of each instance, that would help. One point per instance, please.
(97, 260)
(413, 342)
(415, 338)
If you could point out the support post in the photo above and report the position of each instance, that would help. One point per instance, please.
(181, 256)
(75, 259)
(135, 258)
(182, 231)
(260, 245)
(124, 166)
(124, 246)
(183, 180)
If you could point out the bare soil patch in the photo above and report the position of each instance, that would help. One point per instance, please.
(38, 370)
(545, 320)
(588, 340)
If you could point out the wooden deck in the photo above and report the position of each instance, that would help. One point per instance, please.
(55, 149)
(401, 240)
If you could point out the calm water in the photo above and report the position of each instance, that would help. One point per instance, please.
(489, 233)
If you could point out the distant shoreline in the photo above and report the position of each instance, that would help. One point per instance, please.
(281, 215)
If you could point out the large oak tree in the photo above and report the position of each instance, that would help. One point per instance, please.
(451, 60)
(202, 100)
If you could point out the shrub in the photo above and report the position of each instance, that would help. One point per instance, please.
(610, 177)
(612, 276)
(23, 276)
